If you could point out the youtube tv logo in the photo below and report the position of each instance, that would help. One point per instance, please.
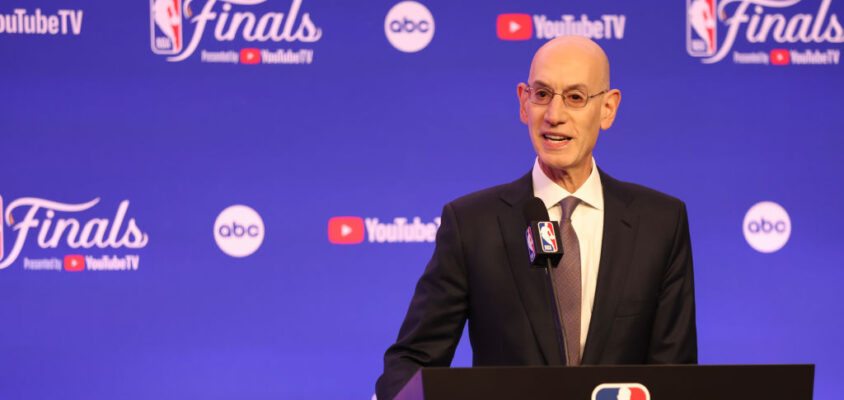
(346, 230)
(514, 27)
(74, 262)
(250, 56)
(780, 57)
(353, 230)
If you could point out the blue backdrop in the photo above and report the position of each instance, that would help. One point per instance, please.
(306, 110)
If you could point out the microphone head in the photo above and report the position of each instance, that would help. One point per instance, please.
(542, 235)
(534, 210)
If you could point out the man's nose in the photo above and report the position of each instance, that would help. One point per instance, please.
(557, 112)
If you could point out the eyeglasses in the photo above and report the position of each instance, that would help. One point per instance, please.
(574, 98)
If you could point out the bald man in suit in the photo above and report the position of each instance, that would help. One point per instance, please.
(636, 289)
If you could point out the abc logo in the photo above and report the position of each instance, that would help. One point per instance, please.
(239, 231)
(236, 230)
(767, 227)
(409, 26)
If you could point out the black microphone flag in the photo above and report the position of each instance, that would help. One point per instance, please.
(542, 235)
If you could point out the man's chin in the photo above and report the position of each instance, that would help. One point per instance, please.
(556, 164)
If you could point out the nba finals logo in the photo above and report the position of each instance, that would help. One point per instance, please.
(50, 225)
(178, 27)
(763, 31)
(165, 22)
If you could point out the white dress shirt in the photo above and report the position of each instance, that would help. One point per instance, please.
(588, 222)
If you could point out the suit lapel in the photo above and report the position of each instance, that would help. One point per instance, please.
(619, 238)
(530, 281)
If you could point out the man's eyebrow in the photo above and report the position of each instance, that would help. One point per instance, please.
(538, 82)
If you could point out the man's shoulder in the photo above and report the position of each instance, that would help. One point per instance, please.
(495, 196)
(508, 194)
(640, 196)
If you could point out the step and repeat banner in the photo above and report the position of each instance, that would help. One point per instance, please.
(233, 199)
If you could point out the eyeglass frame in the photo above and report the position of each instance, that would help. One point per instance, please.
(553, 93)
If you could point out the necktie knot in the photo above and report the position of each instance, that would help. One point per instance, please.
(568, 204)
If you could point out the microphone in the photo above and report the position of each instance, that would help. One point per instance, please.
(542, 235)
(544, 246)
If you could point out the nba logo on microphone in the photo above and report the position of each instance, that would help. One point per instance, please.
(700, 28)
(165, 20)
(548, 237)
(531, 248)
(621, 391)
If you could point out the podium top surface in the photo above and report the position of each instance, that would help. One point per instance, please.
(633, 382)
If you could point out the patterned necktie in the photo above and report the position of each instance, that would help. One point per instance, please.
(567, 282)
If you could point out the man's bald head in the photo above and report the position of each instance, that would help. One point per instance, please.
(566, 102)
(574, 49)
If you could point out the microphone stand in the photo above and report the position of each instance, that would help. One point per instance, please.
(558, 322)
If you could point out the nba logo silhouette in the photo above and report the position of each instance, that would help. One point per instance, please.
(621, 391)
(548, 237)
(529, 238)
(700, 28)
(165, 20)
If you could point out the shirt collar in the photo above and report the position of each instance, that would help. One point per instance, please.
(590, 193)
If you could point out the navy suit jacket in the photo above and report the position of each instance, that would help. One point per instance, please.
(644, 309)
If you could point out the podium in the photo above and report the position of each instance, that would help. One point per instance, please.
(660, 382)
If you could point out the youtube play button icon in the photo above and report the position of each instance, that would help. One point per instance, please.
(514, 27)
(250, 56)
(74, 262)
(780, 57)
(345, 230)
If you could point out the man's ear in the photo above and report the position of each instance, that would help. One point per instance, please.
(609, 107)
(521, 90)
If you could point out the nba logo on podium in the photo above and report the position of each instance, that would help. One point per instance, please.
(549, 239)
(621, 391)
(165, 20)
(700, 28)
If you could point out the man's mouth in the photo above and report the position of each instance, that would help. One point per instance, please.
(556, 138)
